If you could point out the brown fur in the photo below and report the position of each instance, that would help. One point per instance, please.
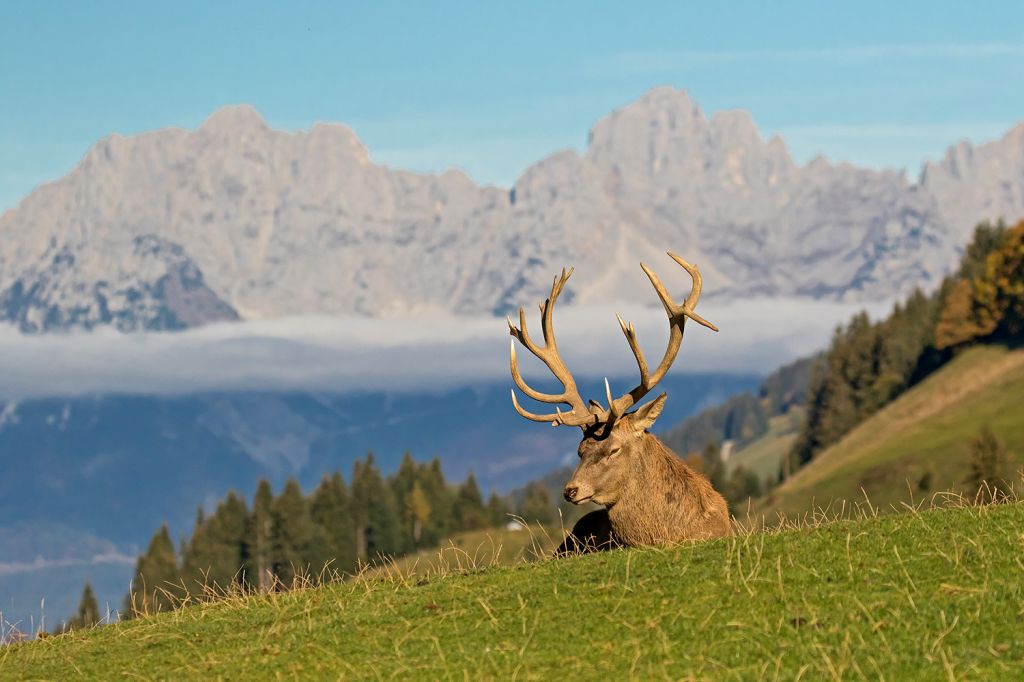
(651, 496)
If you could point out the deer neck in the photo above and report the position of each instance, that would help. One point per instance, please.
(652, 466)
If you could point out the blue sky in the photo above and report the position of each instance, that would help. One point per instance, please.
(492, 87)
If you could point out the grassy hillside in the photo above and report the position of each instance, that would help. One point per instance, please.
(764, 455)
(920, 443)
(935, 595)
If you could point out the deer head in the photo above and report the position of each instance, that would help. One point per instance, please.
(612, 436)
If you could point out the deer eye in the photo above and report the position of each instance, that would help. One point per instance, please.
(614, 451)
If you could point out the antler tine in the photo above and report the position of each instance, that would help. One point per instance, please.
(549, 355)
(524, 387)
(691, 300)
(677, 315)
(613, 408)
(558, 419)
(634, 345)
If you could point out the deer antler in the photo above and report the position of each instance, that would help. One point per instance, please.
(677, 315)
(581, 413)
(548, 354)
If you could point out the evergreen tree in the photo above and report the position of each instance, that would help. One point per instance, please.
(712, 466)
(88, 608)
(469, 506)
(374, 512)
(402, 483)
(214, 556)
(88, 613)
(497, 510)
(156, 585)
(442, 503)
(333, 533)
(988, 464)
(987, 238)
(536, 506)
(741, 486)
(291, 534)
(259, 535)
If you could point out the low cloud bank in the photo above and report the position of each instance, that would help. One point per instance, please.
(407, 354)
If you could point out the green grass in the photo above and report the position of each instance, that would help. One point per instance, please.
(924, 434)
(933, 595)
(764, 455)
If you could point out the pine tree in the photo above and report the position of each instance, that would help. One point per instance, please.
(402, 483)
(88, 613)
(156, 585)
(741, 486)
(469, 505)
(374, 512)
(988, 464)
(292, 534)
(497, 510)
(258, 552)
(712, 466)
(333, 531)
(442, 503)
(536, 506)
(214, 556)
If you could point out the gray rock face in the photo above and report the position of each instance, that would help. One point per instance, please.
(156, 287)
(256, 223)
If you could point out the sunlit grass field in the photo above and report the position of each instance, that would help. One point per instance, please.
(920, 595)
(920, 443)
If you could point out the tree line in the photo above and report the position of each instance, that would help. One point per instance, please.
(869, 364)
(332, 531)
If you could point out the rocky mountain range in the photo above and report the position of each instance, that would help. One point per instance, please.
(175, 228)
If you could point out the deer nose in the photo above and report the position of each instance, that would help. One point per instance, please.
(570, 494)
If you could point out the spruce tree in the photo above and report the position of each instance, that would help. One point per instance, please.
(88, 613)
(497, 510)
(402, 483)
(333, 532)
(469, 506)
(536, 506)
(291, 534)
(442, 503)
(156, 584)
(988, 464)
(712, 465)
(374, 512)
(258, 552)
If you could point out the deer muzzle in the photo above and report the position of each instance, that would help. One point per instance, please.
(577, 493)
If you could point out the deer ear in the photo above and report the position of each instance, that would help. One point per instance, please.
(645, 415)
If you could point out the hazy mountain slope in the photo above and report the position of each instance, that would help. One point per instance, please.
(922, 437)
(276, 223)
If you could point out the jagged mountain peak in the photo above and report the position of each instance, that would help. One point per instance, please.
(280, 223)
(234, 118)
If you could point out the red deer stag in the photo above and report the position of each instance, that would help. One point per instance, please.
(651, 497)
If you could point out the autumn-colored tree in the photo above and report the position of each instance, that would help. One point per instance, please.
(418, 509)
